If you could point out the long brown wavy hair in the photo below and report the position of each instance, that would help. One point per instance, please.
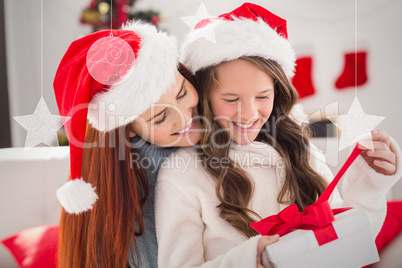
(234, 188)
(101, 236)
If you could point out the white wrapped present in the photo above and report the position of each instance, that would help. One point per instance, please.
(353, 248)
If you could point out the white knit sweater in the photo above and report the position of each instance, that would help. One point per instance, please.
(189, 230)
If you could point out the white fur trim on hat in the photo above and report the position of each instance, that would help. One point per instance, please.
(237, 38)
(153, 74)
(77, 196)
(299, 115)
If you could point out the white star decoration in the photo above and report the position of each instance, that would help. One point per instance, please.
(356, 126)
(192, 21)
(41, 125)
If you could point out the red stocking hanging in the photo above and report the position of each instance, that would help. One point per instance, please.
(302, 80)
(354, 72)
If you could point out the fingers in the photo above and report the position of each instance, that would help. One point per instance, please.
(388, 168)
(267, 240)
(265, 260)
(381, 136)
(380, 154)
(262, 243)
(380, 151)
(380, 158)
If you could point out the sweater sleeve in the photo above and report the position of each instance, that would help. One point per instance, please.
(364, 188)
(179, 229)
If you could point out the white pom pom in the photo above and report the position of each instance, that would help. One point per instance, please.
(77, 196)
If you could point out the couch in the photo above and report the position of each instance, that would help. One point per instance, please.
(29, 179)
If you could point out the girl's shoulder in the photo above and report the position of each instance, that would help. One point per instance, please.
(183, 154)
(181, 164)
(184, 172)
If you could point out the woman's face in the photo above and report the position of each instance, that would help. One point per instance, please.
(243, 99)
(171, 122)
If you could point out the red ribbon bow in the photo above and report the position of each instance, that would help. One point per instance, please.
(316, 217)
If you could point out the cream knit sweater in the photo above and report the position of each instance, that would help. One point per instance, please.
(190, 232)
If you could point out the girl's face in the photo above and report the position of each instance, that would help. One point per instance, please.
(243, 99)
(171, 122)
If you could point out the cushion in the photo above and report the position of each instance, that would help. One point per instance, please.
(34, 247)
(392, 224)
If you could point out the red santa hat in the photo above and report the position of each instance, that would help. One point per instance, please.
(249, 30)
(109, 78)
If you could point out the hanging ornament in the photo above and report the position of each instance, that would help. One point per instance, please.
(193, 21)
(41, 126)
(356, 126)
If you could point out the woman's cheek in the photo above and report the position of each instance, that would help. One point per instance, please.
(195, 98)
(161, 134)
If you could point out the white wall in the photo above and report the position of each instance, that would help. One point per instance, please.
(23, 46)
(326, 28)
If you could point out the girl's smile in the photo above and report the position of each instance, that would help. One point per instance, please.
(243, 127)
(242, 100)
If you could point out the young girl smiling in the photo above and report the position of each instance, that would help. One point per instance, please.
(255, 159)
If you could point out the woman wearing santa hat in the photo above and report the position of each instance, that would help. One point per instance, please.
(130, 88)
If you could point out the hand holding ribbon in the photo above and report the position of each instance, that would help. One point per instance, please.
(316, 217)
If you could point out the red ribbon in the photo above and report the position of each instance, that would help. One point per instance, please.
(317, 217)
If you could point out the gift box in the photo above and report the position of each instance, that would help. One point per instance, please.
(320, 236)
(353, 248)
